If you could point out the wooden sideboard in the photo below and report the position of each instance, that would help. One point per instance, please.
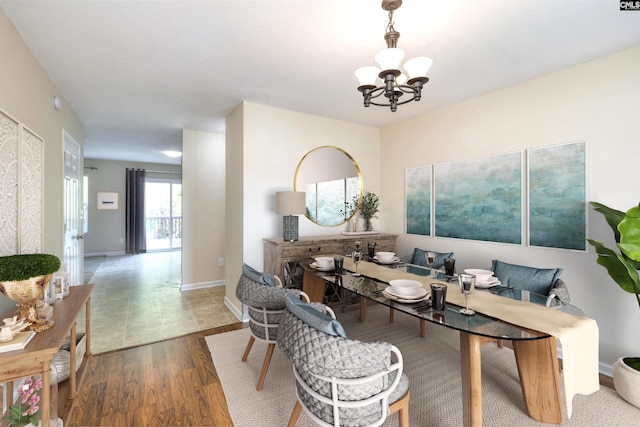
(277, 252)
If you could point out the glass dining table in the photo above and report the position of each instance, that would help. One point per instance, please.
(535, 352)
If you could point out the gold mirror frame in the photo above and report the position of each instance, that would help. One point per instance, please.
(331, 178)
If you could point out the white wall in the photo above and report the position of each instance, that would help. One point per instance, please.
(203, 208)
(597, 102)
(26, 93)
(107, 227)
(273, 141)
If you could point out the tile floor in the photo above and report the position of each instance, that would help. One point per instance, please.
(137, 300)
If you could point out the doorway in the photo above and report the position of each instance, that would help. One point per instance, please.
(163, 214)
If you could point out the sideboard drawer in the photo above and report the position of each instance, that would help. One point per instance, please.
(312, 249)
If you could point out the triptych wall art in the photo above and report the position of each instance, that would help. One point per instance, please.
(490, 198)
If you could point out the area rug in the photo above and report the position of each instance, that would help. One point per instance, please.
(433, 367)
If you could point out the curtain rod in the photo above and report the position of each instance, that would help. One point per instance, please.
(152, 171)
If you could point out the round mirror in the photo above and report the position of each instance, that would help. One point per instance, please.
(333, 183)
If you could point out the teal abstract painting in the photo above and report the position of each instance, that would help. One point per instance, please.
(418, 200)
(480, 199)
(557, 196)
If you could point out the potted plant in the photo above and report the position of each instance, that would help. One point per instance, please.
(623, 268)
(23, 279)
(368, 208)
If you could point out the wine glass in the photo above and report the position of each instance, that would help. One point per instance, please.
(467, 283)
(431, 259)
(356, 256)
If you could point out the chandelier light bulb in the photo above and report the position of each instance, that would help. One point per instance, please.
(367, 75)
(418, 66)
(389, 59)
(401, 79)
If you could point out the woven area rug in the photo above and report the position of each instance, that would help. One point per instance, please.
(433, 367)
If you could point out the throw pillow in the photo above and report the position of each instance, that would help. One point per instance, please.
(420, 257)
(537, 280)
(257, 276)
(312, 317)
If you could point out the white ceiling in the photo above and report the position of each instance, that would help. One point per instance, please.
(137, 72)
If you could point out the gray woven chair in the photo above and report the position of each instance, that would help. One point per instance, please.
(265, 306)
(343, 382)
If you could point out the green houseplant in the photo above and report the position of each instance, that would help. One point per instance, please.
(23, 279)
(368, 208)
(623, 266)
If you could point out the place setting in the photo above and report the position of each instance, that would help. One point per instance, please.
(484, 278)
(386, 258)
(405, 291)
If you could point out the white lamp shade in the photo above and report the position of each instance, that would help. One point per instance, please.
(418, 66)
(291, 202)
(367, 75)
(401, 79)
(389, 59)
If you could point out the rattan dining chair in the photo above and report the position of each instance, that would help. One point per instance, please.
(340, 381)
(265, 305)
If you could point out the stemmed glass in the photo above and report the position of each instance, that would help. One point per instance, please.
(467, 283)
(431, 259)
(356, 256)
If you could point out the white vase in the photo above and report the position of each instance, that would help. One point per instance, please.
(626, 380)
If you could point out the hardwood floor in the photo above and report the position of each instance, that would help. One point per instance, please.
(169, 383)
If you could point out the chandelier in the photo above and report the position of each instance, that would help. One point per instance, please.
(395, 83)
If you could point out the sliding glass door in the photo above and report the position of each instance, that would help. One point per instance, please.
(163, 214)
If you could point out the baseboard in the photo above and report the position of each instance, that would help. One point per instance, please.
(119, 253)
(234, 310)
(201, 285)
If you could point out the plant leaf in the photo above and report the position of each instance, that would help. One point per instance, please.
(612, 216)
(618, 267)
(629, 229)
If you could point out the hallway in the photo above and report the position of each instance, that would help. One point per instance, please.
(137, 300)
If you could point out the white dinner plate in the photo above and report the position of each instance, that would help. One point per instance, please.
(387, 261)
(317, 267)
(485, 285)
(413, 294)
(405, 301)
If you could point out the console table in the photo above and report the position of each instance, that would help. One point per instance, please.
(36, 358)
(277, 252)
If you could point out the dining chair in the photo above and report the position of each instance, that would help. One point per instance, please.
(340, 381)
(264, 297)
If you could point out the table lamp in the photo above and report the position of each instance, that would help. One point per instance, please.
(290, 204)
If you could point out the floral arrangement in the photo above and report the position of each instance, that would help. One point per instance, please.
(369, 205)
(28, 394)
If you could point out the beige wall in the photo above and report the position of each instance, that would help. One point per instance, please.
(269, 143)
(203, 208)
(26, 93)
(107, 227)
(596, 102)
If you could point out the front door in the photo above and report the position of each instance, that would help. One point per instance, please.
(72, 227)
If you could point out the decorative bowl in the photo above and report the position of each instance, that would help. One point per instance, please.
(481, 275)
(404, 286)
(324, 261)
(385, 256)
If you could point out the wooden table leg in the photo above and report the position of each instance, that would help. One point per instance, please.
(471, 379)
(538, 369)
(73, 392)
(313, 286)
(363, 309)
(45, 398)
(87, 328)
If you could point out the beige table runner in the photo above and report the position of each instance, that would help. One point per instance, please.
(578, 335)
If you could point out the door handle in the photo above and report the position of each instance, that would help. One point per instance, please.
(79, 236)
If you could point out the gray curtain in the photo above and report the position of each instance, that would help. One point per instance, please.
(134, 228)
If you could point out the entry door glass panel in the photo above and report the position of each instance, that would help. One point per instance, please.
(163, 214)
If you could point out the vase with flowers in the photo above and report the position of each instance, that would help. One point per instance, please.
(26, 412)
(368, 208)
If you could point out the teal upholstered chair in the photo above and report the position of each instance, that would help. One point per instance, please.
(542, 281)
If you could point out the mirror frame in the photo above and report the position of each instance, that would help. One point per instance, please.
(360, 182)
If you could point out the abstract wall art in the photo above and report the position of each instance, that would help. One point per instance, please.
(557, 196)
(418, 200)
